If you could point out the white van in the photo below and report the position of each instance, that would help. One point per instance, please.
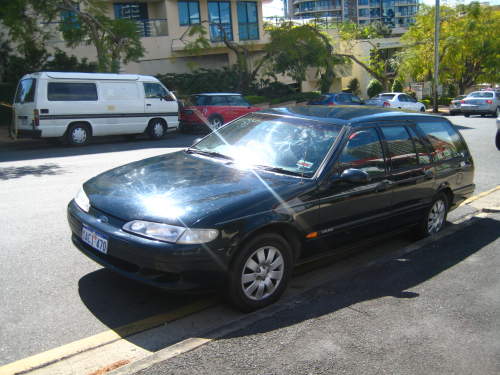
(77, 106)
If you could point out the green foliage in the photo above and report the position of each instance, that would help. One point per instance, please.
(61, 62)
(374, 88)
(426, 102)
(353, 86)
(397, 86)
(255, 99)
(412, 93)
(468, 46)
(444, 100)
(276, 90)
(298, 97)
(294, 49)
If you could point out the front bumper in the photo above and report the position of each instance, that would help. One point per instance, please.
(156, 263)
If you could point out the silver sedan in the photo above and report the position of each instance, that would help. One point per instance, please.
(481, 103)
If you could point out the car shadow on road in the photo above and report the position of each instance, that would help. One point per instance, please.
(116, 301)
(48, 169)
(43, 149)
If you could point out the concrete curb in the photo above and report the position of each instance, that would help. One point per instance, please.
(285, 304)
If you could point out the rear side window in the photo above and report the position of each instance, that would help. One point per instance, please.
(363, 151)
(26, 91)
(423, 155)
(237, 100)
(401, 148)
(444, 139)
(71, 91)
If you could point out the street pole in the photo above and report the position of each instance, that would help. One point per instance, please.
(436, 59)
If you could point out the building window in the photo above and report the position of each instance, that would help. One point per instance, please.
(362, 2)
(364, 12)
(219, 15)
(189, 13)
(248, 24)
(136, 12)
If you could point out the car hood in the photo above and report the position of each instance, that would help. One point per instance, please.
(187, 189)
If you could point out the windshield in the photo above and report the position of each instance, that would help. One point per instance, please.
(481, 94)
(296, 146)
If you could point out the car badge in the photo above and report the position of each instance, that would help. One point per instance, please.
(103, 219)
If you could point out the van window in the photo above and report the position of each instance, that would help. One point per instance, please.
(363, 151)
(26, 91)
(118, 90)
(154, 90)
(401, 148)
(423, 156)
(71, 91)
(444, 139)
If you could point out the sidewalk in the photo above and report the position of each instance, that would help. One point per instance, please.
(433, 310)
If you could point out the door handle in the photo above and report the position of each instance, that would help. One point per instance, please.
(148, 105)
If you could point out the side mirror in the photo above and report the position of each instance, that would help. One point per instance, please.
(355, 176)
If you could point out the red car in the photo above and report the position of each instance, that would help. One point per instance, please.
(213, 110)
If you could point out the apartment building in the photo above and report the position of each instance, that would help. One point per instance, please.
(163, 26)
(394, 13)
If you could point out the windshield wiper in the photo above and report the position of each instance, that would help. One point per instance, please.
(278, 170)
(208, 153)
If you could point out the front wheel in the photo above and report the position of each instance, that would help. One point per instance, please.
(466, 114)
(497, 140)
(157, 129)
(422, 109)
(435, 218)
(260, 272)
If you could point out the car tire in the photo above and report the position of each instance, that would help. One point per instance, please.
(466, 114)
(497, 112)
(497, 140)
(434, 219)
(78, 134)
(157, 129)
(260, 272)
(422, 109)
(216, 121)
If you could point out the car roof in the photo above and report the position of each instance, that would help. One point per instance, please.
(217, 93)
(344, 115)
(91, 76)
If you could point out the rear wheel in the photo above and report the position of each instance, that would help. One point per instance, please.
(216, 121)
(260, 272)
(466, 114)
(78, 134)
(422, 109)
(435, 217)
(497, 140)
(157, 129)
(497, 112)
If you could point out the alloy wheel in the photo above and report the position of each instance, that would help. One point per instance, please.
(262, 273)
(78, 135)
(435, 219)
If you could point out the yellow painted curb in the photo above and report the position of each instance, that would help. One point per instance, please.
(107, 337)
(481, 195)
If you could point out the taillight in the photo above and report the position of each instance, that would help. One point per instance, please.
(36, 117)
(331, 104)
(387, 104)
(462, 101)
(489, 101)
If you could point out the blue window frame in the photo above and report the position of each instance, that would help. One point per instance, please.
(248, 24)
(189, 13)
(219, 16)
(136, 12)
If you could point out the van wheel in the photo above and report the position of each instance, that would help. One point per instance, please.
(78, 134)
(435, 217)
(157, 129)
(260, 272)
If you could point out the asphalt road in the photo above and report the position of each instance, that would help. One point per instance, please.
(50, 294)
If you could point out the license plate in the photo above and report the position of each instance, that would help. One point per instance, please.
(95, 239)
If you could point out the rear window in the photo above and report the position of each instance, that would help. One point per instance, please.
(26, 91)
(481, 94)
(71, 91)
(445, 140)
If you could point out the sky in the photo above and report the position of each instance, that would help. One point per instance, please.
(275, 7)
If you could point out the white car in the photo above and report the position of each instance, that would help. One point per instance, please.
(497, 140)
(396, 100)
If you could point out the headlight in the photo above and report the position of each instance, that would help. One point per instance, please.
(170, 233)
(82, 200)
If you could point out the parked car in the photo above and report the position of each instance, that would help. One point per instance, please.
(212, 110)
(269, 190)
(78, 106)
(396, 100)
(455, 105)
(497, 139)
(481, 103)
(338, 98)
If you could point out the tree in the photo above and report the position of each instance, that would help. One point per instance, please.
(294, 49)
(84, 21)
(374, 88)
(469, 49)
(380, 65)
(353, 86)
(397, 86)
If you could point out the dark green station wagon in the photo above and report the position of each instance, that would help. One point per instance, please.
(267, 191)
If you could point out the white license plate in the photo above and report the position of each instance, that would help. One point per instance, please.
(95, 239)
